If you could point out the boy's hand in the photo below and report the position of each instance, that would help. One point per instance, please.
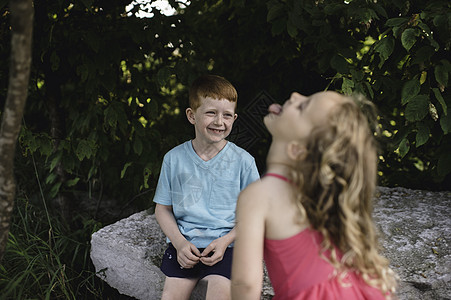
(187, 255)
(214, 252)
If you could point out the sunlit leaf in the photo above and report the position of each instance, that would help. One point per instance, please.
(124, 169)
(433, 111)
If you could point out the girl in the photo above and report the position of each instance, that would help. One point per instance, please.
(310, 216)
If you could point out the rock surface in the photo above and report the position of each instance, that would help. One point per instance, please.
(415, 227)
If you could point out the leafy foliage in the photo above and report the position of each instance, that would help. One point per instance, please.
(394, 52)
(109, 89)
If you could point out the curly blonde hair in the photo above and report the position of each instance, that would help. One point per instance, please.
(337, 181)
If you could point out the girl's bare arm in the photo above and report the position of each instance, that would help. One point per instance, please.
(247, 266)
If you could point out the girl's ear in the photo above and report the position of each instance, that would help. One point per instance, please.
(296, 151)
(190, 115)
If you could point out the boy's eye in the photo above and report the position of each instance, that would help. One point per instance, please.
(228, 115)
(210, 112)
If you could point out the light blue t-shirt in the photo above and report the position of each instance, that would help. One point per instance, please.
(203, 194)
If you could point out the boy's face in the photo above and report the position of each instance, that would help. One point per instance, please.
(213, 119)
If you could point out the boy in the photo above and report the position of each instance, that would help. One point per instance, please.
(197, 192)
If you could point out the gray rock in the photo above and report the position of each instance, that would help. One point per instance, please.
(414, 225)
(415, 229)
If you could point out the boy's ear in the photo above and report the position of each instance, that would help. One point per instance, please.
(235, 117)
(190, 115)
(296, 151)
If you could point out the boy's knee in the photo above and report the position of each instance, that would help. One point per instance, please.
(218, 287)
(178, 288)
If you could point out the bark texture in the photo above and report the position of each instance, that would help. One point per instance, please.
(21, 40)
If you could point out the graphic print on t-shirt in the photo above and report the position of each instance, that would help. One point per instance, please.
(186, 190)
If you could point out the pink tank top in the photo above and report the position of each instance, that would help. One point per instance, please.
(298, 272)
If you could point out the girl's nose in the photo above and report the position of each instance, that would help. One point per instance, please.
(297, 96)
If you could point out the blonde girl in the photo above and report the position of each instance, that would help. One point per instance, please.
(310, 216)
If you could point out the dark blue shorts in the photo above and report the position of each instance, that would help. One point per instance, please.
(171, 267)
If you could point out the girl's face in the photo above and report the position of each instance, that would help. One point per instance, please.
(213, 119)
(299, 115)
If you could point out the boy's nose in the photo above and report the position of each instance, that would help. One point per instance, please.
(218, 119)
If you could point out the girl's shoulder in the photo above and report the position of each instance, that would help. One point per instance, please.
(260, 192)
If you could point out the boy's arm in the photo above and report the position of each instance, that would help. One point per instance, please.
(247, 265)
(187, 254)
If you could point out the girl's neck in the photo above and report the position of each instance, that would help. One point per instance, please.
(280, 168)
(278, 162)
(207, 151)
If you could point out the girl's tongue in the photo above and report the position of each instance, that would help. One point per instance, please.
(275, 109)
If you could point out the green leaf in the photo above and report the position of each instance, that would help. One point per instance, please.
(395, 22)
(347, 86)
(291, 29)
(445, 122)
(385, 47)
(340, 64)
(408, 38)
(55, 189)
(379, 9)
(357, 74)
(51, 178)
(422, 134)
(440, 99)
(147, 171)
(417, 108)
(410, 89)
(111, 116)
(124, 169)
(404, 147)
(163, 75)
(444, 164)
(84, 149)
(275, 11)
(72, 182)
(423, 55)
(370, 89)
(441, 74)
(137, 146)
(55, 161)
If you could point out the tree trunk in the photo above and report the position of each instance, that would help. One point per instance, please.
(21, 36)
